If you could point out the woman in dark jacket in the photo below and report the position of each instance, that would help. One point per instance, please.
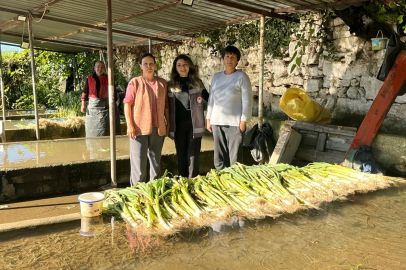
(186, 93)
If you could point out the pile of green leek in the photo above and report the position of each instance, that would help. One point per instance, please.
(170, 204)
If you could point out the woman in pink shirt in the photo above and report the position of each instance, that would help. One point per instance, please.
(146, 111)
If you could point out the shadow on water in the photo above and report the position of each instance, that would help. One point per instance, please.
(367, 231)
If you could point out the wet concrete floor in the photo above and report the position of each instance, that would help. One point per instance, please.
(366, 232)
(34, 154)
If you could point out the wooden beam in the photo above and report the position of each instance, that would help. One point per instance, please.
(286, 146)
(251, 9)
(348, 131)
(312, 155)
(319, 6)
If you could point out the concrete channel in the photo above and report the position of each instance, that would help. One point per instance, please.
(45, 168)
(50, 168)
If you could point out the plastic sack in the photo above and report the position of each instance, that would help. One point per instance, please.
(260, 142)
(299, 106)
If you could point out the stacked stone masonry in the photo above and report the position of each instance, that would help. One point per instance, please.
(347, 85)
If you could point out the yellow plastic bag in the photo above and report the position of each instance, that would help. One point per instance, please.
(299, 106)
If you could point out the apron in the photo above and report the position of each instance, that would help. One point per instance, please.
(97, 117)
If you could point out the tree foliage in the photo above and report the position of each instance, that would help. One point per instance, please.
(52, 69)
(246, 34)
(388, 11)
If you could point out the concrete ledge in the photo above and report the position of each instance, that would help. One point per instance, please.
(38, 222)
(50, 133)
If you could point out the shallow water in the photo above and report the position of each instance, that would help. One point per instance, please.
(29, 112)
(31, 154)
(366, 232)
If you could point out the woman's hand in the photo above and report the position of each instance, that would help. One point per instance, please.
(242, 126)
(131, 132)
(83, 107)
(208, 126)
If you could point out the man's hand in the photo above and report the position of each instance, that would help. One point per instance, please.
(208, 126)
(242, 126)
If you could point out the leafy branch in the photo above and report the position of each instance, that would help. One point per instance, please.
(313, 32)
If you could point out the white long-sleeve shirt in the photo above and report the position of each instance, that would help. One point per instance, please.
(230, 100)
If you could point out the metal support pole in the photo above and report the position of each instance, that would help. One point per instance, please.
(34, 88)
(112, 106)
(3, 99)
(261, 71)
(74, 65)
(149, 45)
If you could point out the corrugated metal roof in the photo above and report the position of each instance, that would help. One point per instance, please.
(173, 17)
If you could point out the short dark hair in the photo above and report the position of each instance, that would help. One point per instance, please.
(95, 62)
(231, 50)
(146, 55)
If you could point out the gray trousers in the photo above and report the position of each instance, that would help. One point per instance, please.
(227, 141)
(143, 147)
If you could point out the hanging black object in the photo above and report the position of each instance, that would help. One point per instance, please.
(392, 50)
(260, 142)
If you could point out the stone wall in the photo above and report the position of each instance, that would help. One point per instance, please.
(347, 85)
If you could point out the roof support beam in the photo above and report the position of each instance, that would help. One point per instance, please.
(3, 99)
(34, 87)
(251, 9)
(104, 29)
(119, 20)
(146, 12)
(112, 105)
(59, 42)
(175, 33)
(89, 26)
(319, 6)
(261, 71)
(46, 5)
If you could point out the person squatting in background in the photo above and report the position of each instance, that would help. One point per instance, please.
(146, 111)
(229, 108)
(186, 93)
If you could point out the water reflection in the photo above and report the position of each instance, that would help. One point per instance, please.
(91, 226)
(368, 230)
(29, 154)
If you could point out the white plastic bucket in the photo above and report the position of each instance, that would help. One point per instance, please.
(91, 204)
